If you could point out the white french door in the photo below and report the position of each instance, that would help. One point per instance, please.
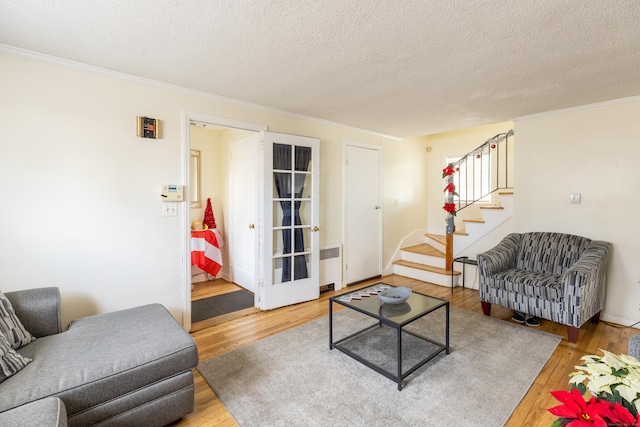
(289, 231)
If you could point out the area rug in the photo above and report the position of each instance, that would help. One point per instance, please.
(293, 379)
(218, 305)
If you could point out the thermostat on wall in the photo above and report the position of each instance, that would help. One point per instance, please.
(172, 193)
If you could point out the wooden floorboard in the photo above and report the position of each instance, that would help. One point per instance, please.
(531, 412)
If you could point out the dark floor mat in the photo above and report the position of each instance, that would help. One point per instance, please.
(220, 304)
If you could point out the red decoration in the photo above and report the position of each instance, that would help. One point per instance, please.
(450, 207)
(447, 171)
(493, 145)
(209, 219)
(477, 156)
(575, 411)
(450, 187)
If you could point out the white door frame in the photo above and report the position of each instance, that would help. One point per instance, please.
(346, 143)
(187, 118)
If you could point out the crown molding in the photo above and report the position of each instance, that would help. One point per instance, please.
(578, 108)
(12, 50)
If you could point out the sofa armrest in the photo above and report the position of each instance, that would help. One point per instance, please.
(501, 257)
(38, 310)
(47, 412)
(584, 283)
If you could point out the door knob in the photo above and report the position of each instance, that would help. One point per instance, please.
(251, 226)
(315, 228)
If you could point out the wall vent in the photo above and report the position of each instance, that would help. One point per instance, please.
(330, 268)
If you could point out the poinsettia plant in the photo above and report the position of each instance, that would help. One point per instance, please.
(613, 381)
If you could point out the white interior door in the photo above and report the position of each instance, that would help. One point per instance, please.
(243, 196)
(363, 213)
(289, 231)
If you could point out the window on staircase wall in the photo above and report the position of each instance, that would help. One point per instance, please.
(473, 180)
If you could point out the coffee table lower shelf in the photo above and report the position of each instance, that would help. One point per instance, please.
(399, 376)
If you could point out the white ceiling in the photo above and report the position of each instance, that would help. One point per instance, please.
(396, 67)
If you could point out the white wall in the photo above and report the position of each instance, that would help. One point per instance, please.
(82, 209)
(594, 151)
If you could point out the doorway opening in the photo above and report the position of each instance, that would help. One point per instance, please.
(211, 181)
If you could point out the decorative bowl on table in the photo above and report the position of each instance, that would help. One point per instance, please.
(395, 295)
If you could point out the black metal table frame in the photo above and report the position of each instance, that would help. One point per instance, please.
(399, 377)
(464, 260)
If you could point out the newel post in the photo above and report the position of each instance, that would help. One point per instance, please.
(450, 208)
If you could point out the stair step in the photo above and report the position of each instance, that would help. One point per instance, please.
(478, 220)
(425, 267)
(461, 233)
(424, 249)
(492, 207)
(440, 238)
(503, 192)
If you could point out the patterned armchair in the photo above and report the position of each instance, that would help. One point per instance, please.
(554, 276)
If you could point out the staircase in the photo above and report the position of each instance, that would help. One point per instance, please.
(428, 261)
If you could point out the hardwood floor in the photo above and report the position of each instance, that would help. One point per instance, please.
(223, 337)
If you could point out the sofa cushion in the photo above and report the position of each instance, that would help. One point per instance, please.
(100, 358)
(11, 327)
(524, 282)
(549, 253)
(49, 412)
(10, 360)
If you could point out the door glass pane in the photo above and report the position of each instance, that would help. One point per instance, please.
(305, 245)
(281, 185)
(303, 158)
(304, 212)
(302, 185)
(279, 269)
(302, 267)
(279, 242)
(282, 157)
(280, 209)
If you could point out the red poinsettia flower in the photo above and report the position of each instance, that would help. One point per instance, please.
(451, 188)
(450, 207)
(447, 171)
(595, 412)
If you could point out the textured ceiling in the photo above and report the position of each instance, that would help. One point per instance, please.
(397, 67)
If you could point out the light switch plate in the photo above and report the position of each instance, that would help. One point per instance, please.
(169, 209)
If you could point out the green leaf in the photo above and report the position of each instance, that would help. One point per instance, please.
(582, 388)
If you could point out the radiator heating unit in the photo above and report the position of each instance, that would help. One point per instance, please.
(330, 268)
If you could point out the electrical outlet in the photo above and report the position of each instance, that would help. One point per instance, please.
(169, 209)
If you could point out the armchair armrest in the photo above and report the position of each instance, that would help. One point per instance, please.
(38, 310)
(584, 283)
(501, 257)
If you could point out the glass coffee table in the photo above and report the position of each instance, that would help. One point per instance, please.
(364, 345)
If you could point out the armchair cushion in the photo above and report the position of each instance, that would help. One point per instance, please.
(11, 327)
(528, 283)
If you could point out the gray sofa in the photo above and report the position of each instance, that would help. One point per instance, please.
(554, 276)
(126, 368)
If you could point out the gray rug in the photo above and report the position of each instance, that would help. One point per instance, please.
(293, 379)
